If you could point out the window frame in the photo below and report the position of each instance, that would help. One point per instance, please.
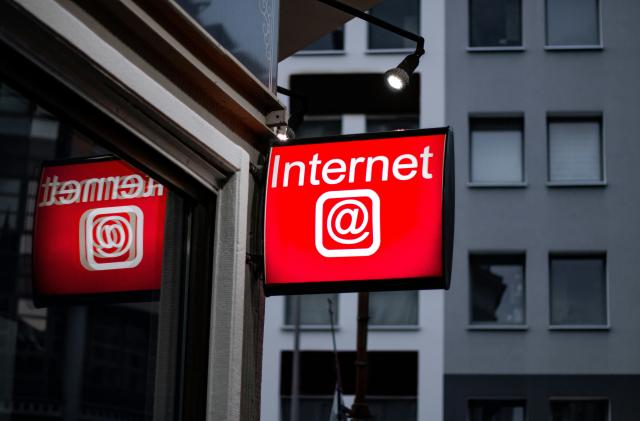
(398, 327)
(514, 399)
(497, 117)
(55, 61)
(569, 117)
(581, 254)
(576, 47)
(498, 255)
(290, 327)
(582, 398)
(399, 50)
(496, 49)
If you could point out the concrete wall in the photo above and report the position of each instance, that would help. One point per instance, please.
(537, 218)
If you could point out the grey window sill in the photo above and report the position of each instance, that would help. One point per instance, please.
(389, 50)
(476, 185)
(580, 327)
(320, 53)
(514, 49)
(498, 327)
(310, 328)
(394, 328)
(574, 47)
(576, 183)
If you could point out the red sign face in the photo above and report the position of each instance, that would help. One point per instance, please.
(99, 228)
(349, 215)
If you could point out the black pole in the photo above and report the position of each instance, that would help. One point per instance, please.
(359, 409)
(378, 22)
(294, 412)
(341, 415)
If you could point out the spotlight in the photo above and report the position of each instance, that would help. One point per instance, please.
(284, 133)
(398, 78)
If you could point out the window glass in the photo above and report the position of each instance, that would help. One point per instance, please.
(246, 29)
(75, 362)
(497, 151)
(393, 308)
(578, 290)
(392, 383)
(496, 410)
(495, 23)
(329, 42)
(497, 289)
(402, 13)
(314, 309)
(575, 150)
(319, 126)
(390, 123)
(573, 22)
(580, 410)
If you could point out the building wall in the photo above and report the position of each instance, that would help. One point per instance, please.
(427, 338)
(538, 219)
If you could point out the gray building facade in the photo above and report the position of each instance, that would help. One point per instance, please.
(541, 321)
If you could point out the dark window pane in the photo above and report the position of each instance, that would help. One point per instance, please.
(390, 123)
(496, 150)
(578, 290)
(496, 410)
(314, 309)
(573, 22)
(402, 13)
(393, 308)
(319, 127)
(495, 23)
(72, 362)
(331, 41)
(580, 410)
(497, 289)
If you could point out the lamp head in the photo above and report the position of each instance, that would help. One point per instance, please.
(284, 133)
(398, 78)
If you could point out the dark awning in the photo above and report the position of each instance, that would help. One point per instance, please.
(304, 21)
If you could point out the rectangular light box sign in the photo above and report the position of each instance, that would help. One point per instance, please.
(98, 233)
(365, 212)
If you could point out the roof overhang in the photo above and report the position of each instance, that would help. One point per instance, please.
(304, 21)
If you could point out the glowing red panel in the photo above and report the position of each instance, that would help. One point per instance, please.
(359, 213)
(99, 229)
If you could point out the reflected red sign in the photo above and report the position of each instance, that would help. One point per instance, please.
(360, 213)
(99, 231)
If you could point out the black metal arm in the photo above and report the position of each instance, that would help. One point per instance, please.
(379, 22)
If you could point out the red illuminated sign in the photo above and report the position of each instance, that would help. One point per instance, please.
(99, 232)
(364, 212)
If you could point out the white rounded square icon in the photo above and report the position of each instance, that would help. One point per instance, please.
(352, 223)
(111, 238)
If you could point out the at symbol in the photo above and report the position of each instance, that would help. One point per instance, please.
(353, 228)
(111, 234)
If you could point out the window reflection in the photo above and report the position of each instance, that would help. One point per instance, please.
(74, 362)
